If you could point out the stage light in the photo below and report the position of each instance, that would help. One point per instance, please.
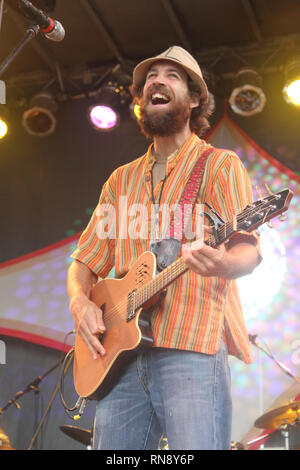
(3, 129)
(135, 111)
(291, 89)
(247, 97)
(104, 113)
(39, 119)
(103, 118)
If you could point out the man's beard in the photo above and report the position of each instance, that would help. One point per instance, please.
(162, 123)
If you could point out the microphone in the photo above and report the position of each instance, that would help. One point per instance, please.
(52, 29)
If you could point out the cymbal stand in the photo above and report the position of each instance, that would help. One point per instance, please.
(284, 429)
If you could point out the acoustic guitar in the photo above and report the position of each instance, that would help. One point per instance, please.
(124, 302)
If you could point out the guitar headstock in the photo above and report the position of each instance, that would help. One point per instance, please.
(263, 210)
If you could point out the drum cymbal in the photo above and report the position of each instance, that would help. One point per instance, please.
(84, 436)
(273, 419)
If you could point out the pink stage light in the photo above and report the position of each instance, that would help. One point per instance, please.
(103, 117)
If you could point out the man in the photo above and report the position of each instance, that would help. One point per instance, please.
(180, 387)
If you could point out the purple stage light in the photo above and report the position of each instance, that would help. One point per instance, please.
(103, 118)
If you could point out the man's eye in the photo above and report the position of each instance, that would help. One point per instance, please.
(150, 75)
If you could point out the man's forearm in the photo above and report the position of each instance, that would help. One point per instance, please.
(242, 260)
(88, 318)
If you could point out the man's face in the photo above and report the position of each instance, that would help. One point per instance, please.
(166, 103)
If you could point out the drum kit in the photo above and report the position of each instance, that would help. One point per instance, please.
(284, 419)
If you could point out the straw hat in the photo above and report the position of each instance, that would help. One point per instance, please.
(179, 56)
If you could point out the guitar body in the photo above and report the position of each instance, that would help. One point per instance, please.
(93, 378)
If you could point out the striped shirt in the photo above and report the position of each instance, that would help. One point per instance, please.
(196, 311)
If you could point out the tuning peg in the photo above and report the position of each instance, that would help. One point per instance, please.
(283, 217)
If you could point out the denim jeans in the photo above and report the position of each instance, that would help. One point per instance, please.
(182, 395)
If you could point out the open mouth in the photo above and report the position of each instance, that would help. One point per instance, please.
(159, 99)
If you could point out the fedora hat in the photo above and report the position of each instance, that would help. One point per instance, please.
(179, 56)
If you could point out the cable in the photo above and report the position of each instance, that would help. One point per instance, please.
(81, 402)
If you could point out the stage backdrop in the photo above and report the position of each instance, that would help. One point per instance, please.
(34, 302)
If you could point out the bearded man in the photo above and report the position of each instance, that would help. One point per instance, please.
(180, 388)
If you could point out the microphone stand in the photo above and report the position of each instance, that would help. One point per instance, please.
(33, 386)
(47, 410)
(1, 12)
(252, 339)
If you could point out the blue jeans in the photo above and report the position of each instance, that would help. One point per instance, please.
(180, 394)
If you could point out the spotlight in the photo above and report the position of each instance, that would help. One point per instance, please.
(39, 119)
(3, 128)
(103, 118)
(104, 114)
(291, 89)
(247, 97)
(3, 122)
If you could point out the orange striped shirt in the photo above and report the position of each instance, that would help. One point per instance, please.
(196, 311)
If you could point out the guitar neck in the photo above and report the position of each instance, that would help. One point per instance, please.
(160, 282)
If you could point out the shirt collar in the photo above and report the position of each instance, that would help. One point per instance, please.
(172, 160)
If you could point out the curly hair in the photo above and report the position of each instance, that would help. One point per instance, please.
(199, 123)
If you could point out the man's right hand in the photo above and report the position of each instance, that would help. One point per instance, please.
(88, 320)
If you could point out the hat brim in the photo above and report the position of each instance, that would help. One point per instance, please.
(141, 70)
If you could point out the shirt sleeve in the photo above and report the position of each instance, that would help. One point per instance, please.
(231, 192)
(96, 245)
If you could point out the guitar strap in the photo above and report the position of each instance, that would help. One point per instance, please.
(189, 196)
(167, 250)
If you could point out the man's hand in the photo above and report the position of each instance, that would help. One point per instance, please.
(205, 260)
(88, 320)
